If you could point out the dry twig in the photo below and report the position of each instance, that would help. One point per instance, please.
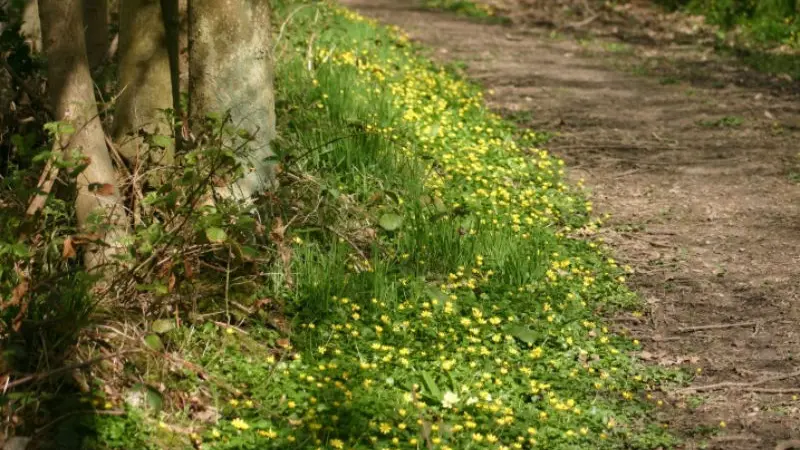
(740, 386)
(717, 326)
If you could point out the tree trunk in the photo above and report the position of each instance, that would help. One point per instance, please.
(230, 70)
(72, 99)
(146, 84)
(31, 28)
(95, 18)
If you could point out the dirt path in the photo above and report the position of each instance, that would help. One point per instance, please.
(693, 155)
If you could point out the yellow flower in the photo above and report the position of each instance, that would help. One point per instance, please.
(336, 443)
(269, 434)
(240, 424)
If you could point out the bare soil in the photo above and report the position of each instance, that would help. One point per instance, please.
(695, 157)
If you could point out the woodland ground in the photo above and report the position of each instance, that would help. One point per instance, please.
(695, 155)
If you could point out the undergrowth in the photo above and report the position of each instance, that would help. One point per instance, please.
(766, 21)
(415, 282)
(763, 34)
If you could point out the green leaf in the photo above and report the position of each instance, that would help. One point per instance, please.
(216, 235)
(161, 326)
(390, 222)
(430, 385)
(154, 342)
(161, 141)
(524, 334)
(153, 400)
(436, 294)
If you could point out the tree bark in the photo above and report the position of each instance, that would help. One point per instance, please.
(72, 99)
(31, 28)
(95, 18)
(146, 84)
(230, 70)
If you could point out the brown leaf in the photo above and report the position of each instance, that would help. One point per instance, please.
(17, 299)
(283, 342)
(266, 301)
(171, 284)
(278, 231)
(105, 189)
(208, 415)
(68, 251)
(188, 269)
(19, 292)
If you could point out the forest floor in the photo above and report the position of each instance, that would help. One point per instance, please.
(695, 156)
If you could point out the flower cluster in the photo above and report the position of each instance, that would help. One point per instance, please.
(482, 330)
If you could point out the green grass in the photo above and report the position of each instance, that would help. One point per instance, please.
(763, 34)
(766, 22)
(434, 298)
(723, 122)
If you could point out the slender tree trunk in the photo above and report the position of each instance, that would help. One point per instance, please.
(145, 81)
(230, 70)
(72, 99)
(95, 18)
(31, 28)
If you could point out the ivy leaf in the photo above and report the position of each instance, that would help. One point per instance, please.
(390, 222)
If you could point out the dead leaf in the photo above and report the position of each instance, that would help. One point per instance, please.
(283, 342)
(105, 189)
(18, 293)
(171, 284)
(278, 231)
(187, 269)
(17, 298)
(68, 251)
(209, 415)
(262, 302)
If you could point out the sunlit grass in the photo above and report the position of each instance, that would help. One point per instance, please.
(447, 309)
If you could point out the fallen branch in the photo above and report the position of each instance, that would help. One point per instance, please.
(106, 412)
(760, 390)
(43, 375)
(717, 326)
(43, 187)
(740, 386)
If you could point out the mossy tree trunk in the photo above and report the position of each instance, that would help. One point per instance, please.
(72, 100)
(230, 70)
